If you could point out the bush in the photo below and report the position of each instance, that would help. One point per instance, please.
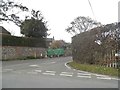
(8, 40)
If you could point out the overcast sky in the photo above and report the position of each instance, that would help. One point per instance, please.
(59, 13)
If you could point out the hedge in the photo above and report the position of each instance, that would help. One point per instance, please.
(8, 40)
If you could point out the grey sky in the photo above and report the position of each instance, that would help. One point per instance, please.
(59, 13)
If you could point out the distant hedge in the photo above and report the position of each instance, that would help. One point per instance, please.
(8, 40)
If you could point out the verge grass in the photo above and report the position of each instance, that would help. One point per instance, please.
(94, 68)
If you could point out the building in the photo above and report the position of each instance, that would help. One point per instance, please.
(4, 31)
(49, 41)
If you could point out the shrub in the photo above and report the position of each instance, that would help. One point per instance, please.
(8, 40)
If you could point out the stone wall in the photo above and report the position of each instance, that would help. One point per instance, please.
(13, 52)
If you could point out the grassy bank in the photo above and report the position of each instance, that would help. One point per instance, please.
(94, 69)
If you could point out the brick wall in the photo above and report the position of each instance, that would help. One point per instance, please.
(13, 52)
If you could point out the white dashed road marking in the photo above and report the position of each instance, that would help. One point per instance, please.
(49, 73)
(103, 77)
(100, 75)
(33, 65)
(107, 78)
(83, 75)
(70, 74)
(38, 70)
(115, 79)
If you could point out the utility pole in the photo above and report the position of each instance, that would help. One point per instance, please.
(91, 9)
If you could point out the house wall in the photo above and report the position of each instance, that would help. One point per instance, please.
(14, 52)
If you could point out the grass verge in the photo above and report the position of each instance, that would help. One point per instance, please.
(94, 69)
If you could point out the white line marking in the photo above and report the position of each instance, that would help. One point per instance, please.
(48, 73)
(101, 75)
(115, 79)
(33, 65)
(84, 76)
(67, 72)
(38, 70)
(65, 75)
(67, 65)
(107, 78)
(83, 72)
(74, 69)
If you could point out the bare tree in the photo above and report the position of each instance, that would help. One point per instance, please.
(97, 46)
(82, 24)
(9, 11)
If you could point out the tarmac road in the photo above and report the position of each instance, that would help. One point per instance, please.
(51, 73)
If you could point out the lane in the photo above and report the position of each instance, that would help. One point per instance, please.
(34, 73)
(43, 63)
(55, 64)
(50, 81)
(51, 64)
(72, 74)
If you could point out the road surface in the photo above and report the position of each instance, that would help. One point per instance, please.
(51, 73)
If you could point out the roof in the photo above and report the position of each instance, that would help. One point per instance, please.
(49, 39)
(4, 31)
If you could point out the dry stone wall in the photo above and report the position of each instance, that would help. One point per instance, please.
(13, 52)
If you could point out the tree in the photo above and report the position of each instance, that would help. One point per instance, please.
(97, 46)
(81, 24)
(9, 11)
(34, 28)
(31, 24)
